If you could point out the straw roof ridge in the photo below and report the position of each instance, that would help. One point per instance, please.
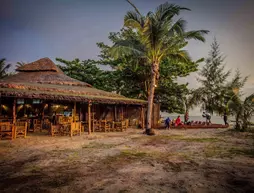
(43, 71)
(43, 64)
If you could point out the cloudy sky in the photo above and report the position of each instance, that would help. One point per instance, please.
(32, 29)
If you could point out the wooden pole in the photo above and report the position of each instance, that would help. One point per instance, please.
(42, 113)
(14, 111)
(115, 113)
(1, 107)
(122, 117)
(89, 117)
(74, 112)
(142, 117)
(14, 119)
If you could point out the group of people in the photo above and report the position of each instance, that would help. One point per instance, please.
(174, 122)
(177, 122)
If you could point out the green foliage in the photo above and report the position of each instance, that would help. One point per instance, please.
(158, 37)
(3, 68)
(216, 91)
(19, 64)
(135, 49)
(243, 110)
(88, 72)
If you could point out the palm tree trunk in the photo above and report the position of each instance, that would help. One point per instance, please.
(154, 77)
(186, 116)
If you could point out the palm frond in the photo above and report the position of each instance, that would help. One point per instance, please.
(180, 56)
(178, 27)
(134, 20)
(167, 11)
(127, 48)
(136, 9)
(196, 35)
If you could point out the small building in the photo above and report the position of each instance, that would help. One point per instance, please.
(41, 90)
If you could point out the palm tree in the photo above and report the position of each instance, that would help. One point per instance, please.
(158, 38)
(190, 101)
(3, 68)
(19, 64)
(243, 111)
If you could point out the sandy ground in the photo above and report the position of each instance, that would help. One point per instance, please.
(214, 160)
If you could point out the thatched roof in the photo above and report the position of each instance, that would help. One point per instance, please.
(42, 79)
(43, 71)
(43, 64)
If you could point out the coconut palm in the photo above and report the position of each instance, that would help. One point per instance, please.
(3, 68)
(190, 101)
(159, 37)
(19, 64)
(242, 110)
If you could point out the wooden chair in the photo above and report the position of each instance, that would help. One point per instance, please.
(37, 125)
(124, 125)
(75, 128)
(55, 130)
(30, 125)
(6, 130)
(45, 125)
(105, 126)
(20, 129)
(97, 125)
(117, 126)
(66, 129)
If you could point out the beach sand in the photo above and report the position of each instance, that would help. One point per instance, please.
(214, 160)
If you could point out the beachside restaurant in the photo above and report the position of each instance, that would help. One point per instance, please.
(40, 98)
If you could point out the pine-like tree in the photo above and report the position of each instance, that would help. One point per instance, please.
(213, 79)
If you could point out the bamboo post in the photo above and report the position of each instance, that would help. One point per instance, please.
(89, 117)
(142, 118)
(122, 117)
(14, 119)
(1, 106)
(115, 113)
(14, 111)
(74, 112)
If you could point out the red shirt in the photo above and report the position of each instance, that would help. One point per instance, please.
(178, 121)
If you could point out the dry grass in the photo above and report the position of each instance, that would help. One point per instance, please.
(171, 161)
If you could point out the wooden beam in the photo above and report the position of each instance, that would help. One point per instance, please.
(89, 117)
(122, 117)
(74, 112)
(115, 113)
(14, 111)
(142, 118)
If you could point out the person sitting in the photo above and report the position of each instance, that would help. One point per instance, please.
(178, 121)
(173, 122)
(160, 120)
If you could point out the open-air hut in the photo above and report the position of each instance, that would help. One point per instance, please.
(41, 89)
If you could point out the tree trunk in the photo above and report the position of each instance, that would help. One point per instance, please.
(154, 77)
(186, 116)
